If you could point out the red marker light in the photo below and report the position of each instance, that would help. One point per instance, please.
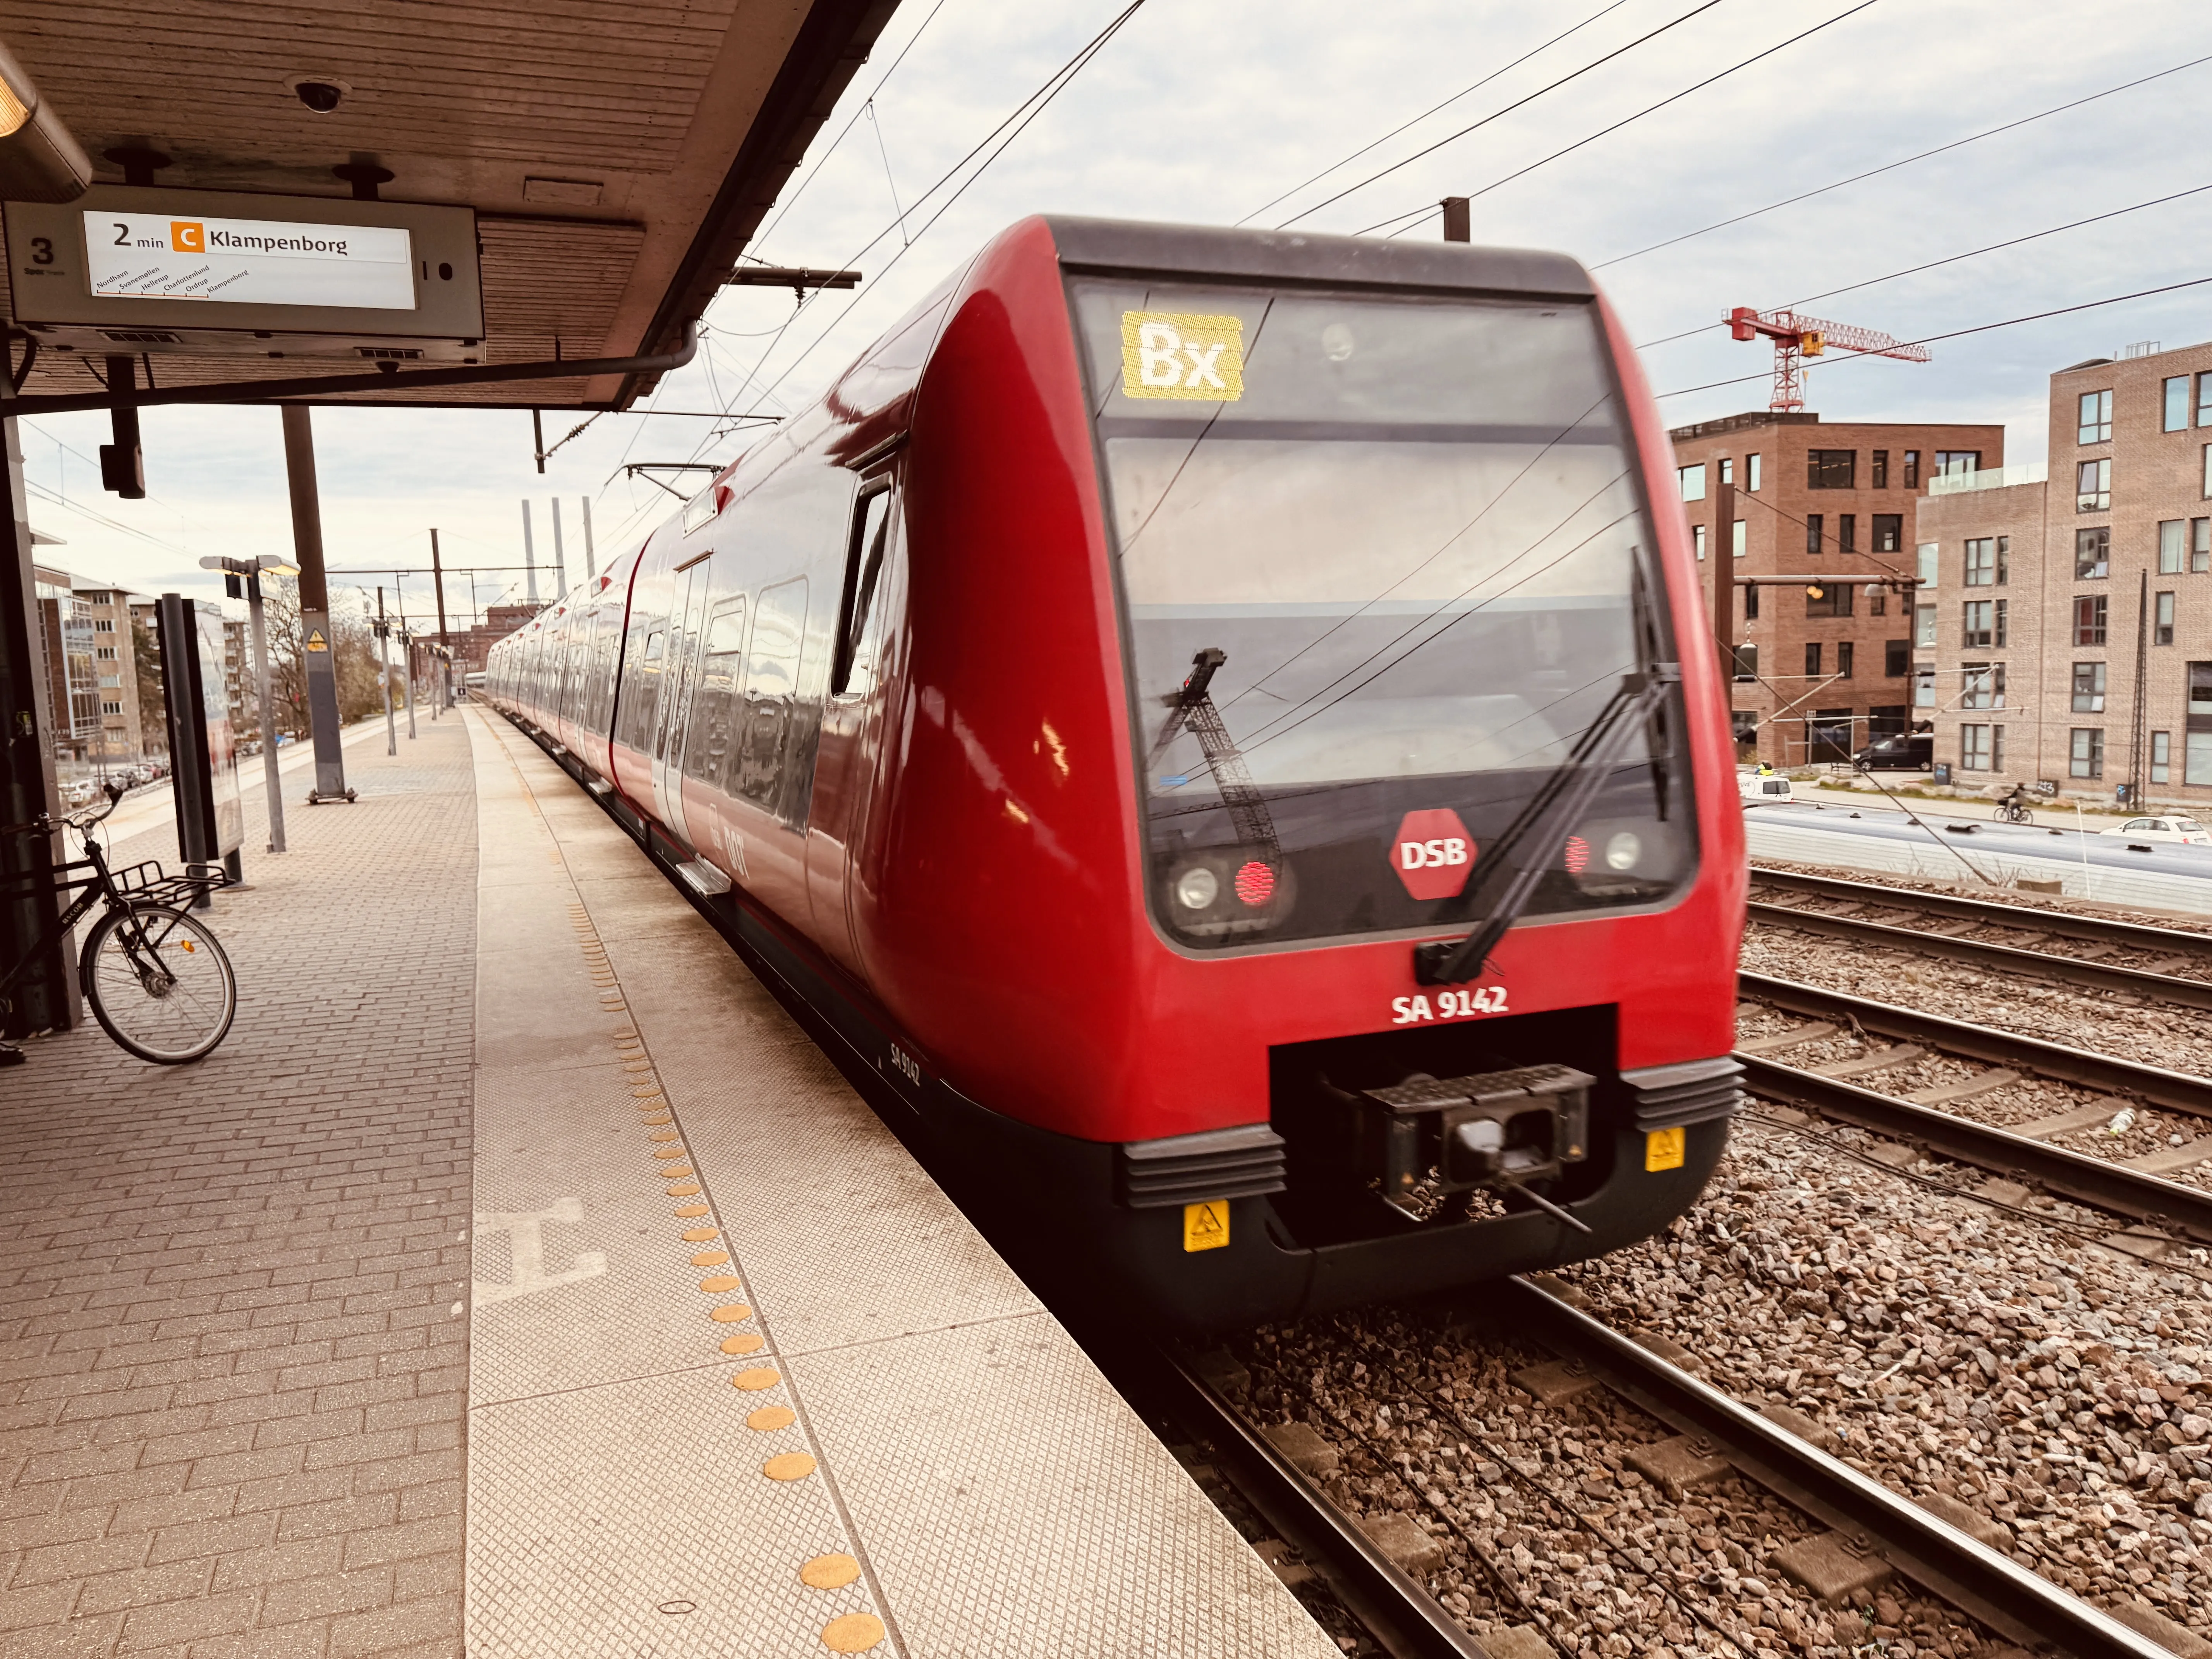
(1577, 855)
(1255, 883)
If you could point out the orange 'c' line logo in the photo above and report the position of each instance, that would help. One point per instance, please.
(187, 236)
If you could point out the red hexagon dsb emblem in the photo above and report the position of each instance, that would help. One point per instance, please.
(1432, 853)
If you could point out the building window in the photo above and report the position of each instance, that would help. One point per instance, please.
(2001, 622)
(104, 653)
(1896, 658)
(1834, 599)
(1812, 522)
(1698, 540)
(1924, 626)
(1926, 553)
(1751, 603)
(1694, 482)
(103, 625)
(1923, 688)
(1751, 471)
(1813, 658)
(1951, 463)
(1879, 473)
(1727, 470)
(2093, 486)
(1847, 532)
(2207, 490)
(1982, 562)
(2089, 621)
(1736, 543)
(2175, 404)
(1877, 600)
(2085, 756)
(2162, 622)
(2161, 756)
(1912, 469)
(1844, 654)
(1980, 627)
(2200, 545)
(110, 709)
(2089, 688)
(1981, 748)
(1832, 469)
(1985, 686)
(2096, 417)
(2093, 553)
(2172, 540)
(2196, 758)
(1888, 532)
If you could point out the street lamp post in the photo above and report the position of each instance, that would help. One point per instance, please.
(407, 669)
(384, 675)
(247, 573)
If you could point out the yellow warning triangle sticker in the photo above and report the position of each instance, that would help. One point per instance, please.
(315, 640)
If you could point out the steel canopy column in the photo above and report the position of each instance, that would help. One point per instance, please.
(318, 646)
(46, 999)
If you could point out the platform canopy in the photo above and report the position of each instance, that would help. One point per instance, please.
(618, 154)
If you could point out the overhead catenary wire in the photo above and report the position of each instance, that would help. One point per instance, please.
(1495, 115)
(1950, 259)
(1626, 121)
(1434, 108)
(1960, 333)
(1891, 166)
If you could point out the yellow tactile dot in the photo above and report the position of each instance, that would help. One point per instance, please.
(701, 1235)
(675, 1171)
(830, 1572)
(856, 1632)
(684, 1212)
(684, 1189)
(752, 1382)
(788, 1466)
(743, 1344)
(653, 1120)
(664, 1135)
(670, 1152)
(711, 1259)
(768, 1419)
(719, 1283)
(731, 1313)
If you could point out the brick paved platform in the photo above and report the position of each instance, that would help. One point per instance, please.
(232, 1366)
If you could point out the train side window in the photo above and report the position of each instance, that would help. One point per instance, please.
(864, 563)
(717, 710)
(644, 701)
(771, 690)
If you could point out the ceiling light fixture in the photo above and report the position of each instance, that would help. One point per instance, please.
(39, 160)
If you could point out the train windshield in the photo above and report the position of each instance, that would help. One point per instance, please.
(1382, 561)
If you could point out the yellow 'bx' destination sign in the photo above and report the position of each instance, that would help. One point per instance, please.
(1181, 355)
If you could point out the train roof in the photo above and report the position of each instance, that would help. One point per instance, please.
(1301, 257)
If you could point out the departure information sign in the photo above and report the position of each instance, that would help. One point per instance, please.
(150, 256)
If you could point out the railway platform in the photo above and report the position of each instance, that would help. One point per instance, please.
(518, 1279)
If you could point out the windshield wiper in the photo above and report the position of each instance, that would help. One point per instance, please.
(1561, 797)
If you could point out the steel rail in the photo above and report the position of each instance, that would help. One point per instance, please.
(2071, 970)
(2093, 1181)
(2024, 917)
(1978, 1580)
(1409, 1622)
(2175, 1091)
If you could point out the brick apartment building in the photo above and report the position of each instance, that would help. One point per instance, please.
(2069, 640)
(1819, 675)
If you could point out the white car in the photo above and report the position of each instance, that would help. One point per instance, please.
(1773, 790)
(2188, 831)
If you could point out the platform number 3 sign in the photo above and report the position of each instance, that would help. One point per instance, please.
(1174, 354)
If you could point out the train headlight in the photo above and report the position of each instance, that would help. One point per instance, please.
(1622, 851)
(1196, 888)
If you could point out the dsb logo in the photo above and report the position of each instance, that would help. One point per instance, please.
(1432, 853)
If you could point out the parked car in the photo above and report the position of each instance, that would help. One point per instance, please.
(1906, 751)
(2187, 831)
(1771, 790)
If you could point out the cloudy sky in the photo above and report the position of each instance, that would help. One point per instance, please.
(1210, 114)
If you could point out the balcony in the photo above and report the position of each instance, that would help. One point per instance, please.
(1990, 477)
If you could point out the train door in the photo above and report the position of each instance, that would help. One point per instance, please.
(686, 624)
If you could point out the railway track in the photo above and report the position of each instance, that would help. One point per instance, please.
(2163, 949)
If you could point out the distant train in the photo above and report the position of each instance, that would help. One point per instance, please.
(1223, 722)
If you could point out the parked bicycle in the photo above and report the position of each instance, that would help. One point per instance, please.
(155, 978)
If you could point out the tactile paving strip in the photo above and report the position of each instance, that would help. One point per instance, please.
(642, 1478)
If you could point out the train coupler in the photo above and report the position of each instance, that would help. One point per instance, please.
(1498, 1130)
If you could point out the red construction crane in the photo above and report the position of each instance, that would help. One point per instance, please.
(1795, 335)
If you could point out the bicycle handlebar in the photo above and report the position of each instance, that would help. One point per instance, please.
(45, 824)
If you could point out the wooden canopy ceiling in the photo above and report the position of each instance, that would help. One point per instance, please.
(619, 153)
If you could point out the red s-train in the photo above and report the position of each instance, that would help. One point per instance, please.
(1222, 721)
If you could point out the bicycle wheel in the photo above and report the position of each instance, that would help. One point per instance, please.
(158, 983)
